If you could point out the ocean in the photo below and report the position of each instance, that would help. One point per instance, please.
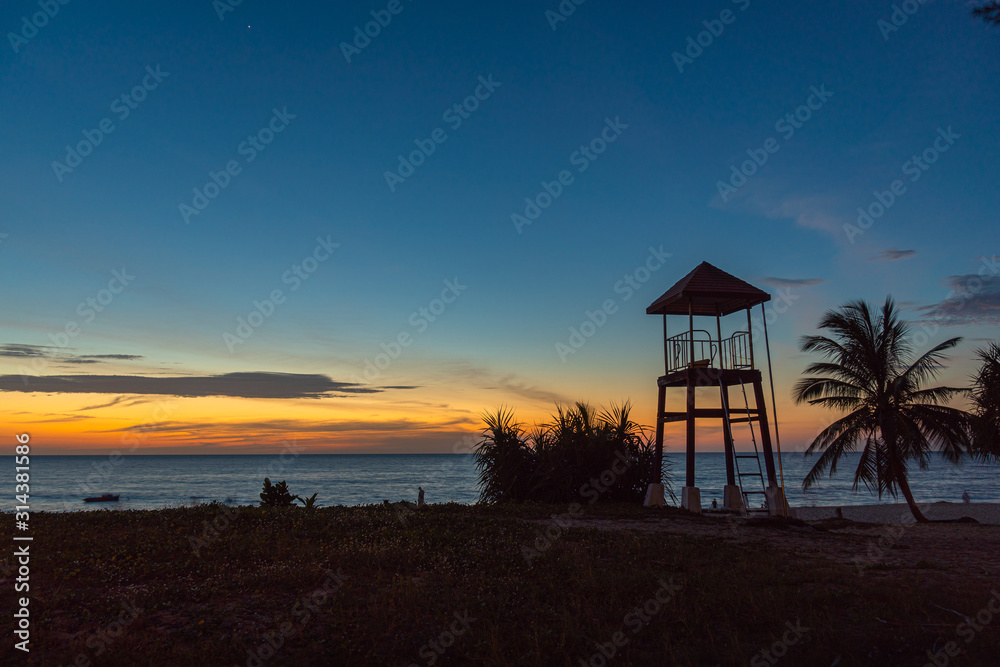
(59, 483)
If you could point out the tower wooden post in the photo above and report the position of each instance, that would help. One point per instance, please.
(694, 359)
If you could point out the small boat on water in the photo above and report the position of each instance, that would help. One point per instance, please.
(106, 498)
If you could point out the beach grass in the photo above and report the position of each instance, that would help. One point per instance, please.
(461, 585)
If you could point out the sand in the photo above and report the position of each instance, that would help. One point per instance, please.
(952, 552)
(985, 513)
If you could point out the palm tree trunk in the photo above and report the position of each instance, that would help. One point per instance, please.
(904, 486)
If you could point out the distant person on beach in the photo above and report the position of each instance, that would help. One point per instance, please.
(966, 498)
(715, 504)
(420, 496)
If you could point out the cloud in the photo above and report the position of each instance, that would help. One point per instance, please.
(124, 401)
(485, 378)
(792, 282)
(773, 199)
(240, 385)
(532, 392)
(212, 438)
(55, 419)
(270, 435)
(59, 355)
(810, 212)
(16, 350)
(893, 255)
(973, 299)
(293, 426)
(121, 357)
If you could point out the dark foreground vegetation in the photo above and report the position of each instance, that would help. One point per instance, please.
(582, 456)
(452, 585)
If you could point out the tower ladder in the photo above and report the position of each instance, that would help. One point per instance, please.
(748, 507)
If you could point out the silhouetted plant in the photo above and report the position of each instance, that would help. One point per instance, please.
(504, 459)
(985, 394)
(308, 503)
(871, 370)
(276, 495)
(579, 457)
(989, 12)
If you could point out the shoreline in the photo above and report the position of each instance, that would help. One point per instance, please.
(884, 513)
(899, 513)
(377, 583)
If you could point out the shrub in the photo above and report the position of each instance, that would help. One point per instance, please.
(309, 503)
(579, 457)
(985, 394)
(276, 495)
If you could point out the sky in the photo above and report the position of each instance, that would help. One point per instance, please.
(227, 227)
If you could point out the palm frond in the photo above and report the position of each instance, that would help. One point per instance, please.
(868, 370)
(929, 365)
(834, 441)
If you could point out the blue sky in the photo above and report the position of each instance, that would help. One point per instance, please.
(323, 176)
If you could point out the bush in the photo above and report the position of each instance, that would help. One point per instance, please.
(985, 395)
(579, 457)
(309, 503)
(276, 495)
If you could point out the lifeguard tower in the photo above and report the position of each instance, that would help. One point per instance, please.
(692, 359)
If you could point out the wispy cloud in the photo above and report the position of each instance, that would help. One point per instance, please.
(124, 401)
(508, 383)
(239, 385)
(296, 426)
(485, 378)
(893, 255)
(792, 282)
(972, 299)
(775, 199)
(54, 419)
(811, 212)
(17, 350)
(98, 358)
(60, 355)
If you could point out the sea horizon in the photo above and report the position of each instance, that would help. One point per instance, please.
(154, 481)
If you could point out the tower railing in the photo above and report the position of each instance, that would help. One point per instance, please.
(731, 354)
(736, 352)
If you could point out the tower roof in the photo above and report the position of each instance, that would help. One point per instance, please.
(708, 290)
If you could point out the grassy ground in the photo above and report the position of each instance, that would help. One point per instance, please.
(373, 585)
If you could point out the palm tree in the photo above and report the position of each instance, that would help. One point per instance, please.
(504, 459)
(569, 459)
(989, 12)
(871, 371)
(986, 401)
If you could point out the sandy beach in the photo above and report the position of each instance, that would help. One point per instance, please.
(984, 513)
(166, 587)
